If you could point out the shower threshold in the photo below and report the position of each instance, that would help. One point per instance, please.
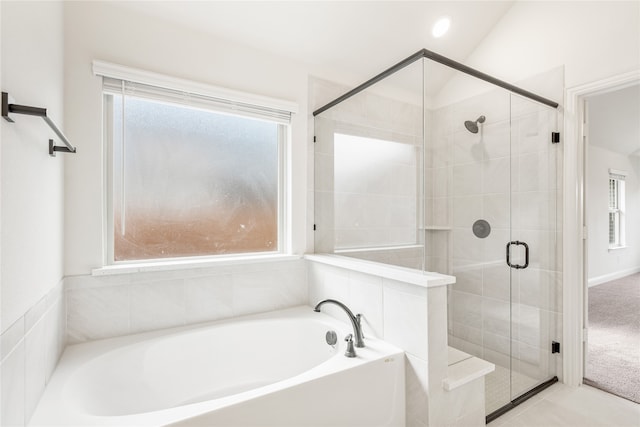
(520, 399)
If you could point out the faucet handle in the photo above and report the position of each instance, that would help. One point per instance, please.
(359, 317)
(351, 351)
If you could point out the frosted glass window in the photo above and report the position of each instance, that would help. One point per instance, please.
(191, 182)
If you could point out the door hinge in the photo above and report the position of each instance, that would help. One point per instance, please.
(584, 233)
(314, 139)
(555, 137)
(314, 227)
(555, 347)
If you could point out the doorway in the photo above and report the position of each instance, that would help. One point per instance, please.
(612, 248)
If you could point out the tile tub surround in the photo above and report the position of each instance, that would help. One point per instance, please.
(407, 308)
(112, 305)
(30, 349)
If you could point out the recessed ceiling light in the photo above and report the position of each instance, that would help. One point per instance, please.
(441, 27)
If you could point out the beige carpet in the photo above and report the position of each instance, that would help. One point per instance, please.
(613, 355)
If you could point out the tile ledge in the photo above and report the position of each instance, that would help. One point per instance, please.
(424, 279)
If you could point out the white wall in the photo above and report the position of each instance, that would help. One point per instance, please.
(32, 182)
(604, 265)
(99, 30)
(32, 207)
(593, 40)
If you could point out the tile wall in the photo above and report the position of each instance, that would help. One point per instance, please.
(408, 316)
(108, 306)
(30, 349)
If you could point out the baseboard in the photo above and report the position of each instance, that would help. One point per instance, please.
(612, 276)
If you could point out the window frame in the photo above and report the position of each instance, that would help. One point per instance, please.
(284, 223)
(616, 182)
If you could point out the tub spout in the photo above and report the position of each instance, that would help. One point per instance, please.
(355, 320)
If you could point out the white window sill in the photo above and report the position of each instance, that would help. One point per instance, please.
(615, 248)
(186, 264)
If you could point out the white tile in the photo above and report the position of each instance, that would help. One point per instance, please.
(468, 277)
(497, 343)
(467, 333)
(441, 182)
(293, 286)
(496, 139)
(496, 176)
(540, 288)
(11, 337)
(405, 320)
(467, 147)
(366, 298)
(416, 387)
(157, 305)
(497, 282)
(466, 210)
(454, 355)
(12, 375)
(55, 321)
(495, 245)
(87, 281)
(496, 316)
(466, 371)
(467, 309)
(336, 286)
(496, 210)
(35, 368)
(99, 312)
(208, 298)
(535, 171)
(466, 246)
(437, 335)
(467, 179)
(34, 314)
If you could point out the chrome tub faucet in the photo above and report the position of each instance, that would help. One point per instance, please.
(355, 320)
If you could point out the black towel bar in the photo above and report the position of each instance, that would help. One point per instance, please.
(39, 112)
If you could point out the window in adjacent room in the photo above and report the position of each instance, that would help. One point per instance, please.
(191, 175)
(616, 209)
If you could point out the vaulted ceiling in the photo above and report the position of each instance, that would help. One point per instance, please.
(358, 38)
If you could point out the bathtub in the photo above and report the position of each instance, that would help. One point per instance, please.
(272, 369)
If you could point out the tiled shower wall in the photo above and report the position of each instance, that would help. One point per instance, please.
(108, 306)
(30, 349)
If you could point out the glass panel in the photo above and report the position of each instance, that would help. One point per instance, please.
(191, 182)
(369, 173)
(535, 290)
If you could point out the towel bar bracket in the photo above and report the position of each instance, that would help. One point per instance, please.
(8, 107)
(55, 148)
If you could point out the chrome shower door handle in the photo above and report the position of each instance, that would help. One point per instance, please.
(526, 254)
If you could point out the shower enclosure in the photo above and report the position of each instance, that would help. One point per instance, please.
(434, 166)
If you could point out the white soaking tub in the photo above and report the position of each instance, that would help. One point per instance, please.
(272, 369)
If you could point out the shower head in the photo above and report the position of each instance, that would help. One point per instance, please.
(473, 126)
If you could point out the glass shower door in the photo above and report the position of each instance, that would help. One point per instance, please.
(532, 253)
